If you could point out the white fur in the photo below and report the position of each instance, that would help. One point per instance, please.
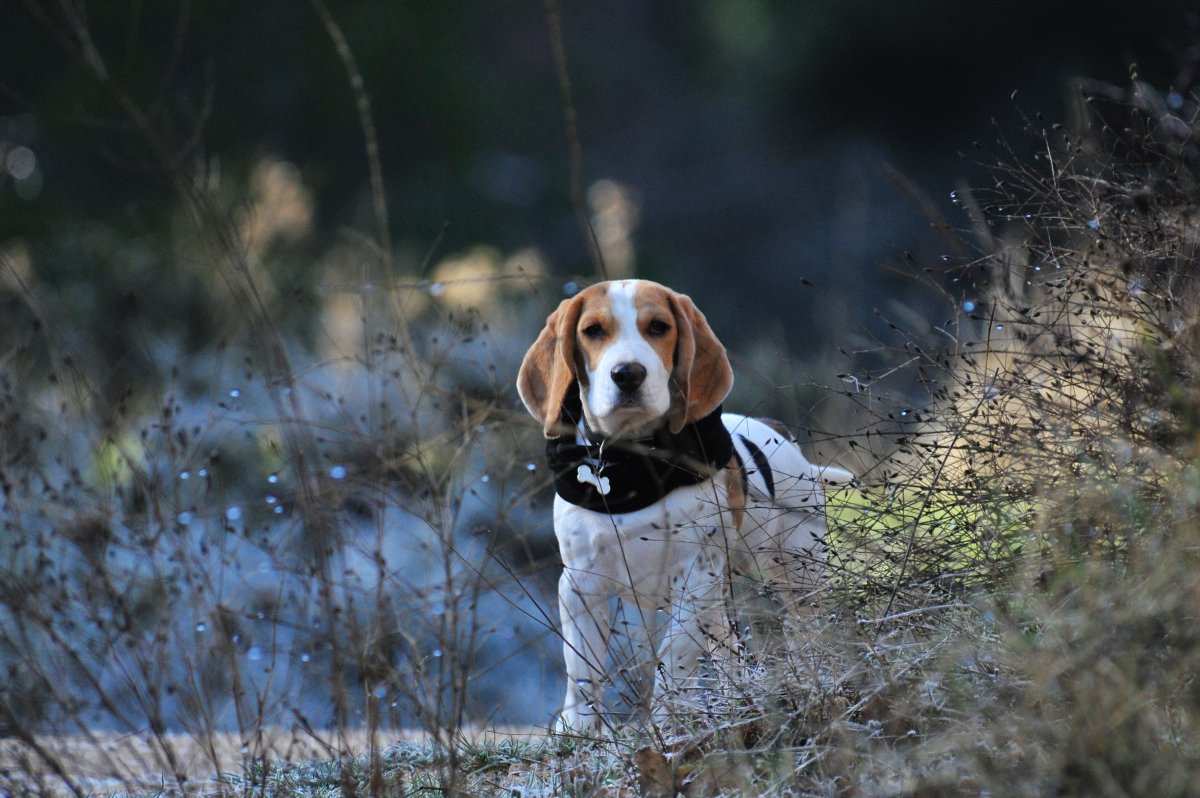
(671, 561)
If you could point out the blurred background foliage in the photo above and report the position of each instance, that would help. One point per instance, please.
(767, 140)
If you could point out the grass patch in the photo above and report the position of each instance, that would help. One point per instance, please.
(506, 765)
(892, 536)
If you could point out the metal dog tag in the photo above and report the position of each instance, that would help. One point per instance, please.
(585, 474)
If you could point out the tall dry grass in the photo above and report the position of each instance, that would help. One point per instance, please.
(267, 543)
(291, 548)
(1013, 578)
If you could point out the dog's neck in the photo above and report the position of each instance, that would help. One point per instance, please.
(639, 435)
(623, 474)
(634, 431)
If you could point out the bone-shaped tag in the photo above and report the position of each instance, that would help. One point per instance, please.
(585, 474)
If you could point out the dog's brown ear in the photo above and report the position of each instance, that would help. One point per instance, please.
(702, 373)
(549, 366)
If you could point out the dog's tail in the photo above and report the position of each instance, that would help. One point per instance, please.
(827, 476)
(831, 476)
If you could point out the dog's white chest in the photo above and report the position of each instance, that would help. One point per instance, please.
(641, 549)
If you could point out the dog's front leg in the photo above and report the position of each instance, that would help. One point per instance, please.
(583, 608)
(698, 649)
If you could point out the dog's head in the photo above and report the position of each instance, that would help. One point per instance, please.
(641, 353)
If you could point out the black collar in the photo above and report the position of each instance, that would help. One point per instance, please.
(620, 476)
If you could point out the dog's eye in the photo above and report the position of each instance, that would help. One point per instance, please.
(658, 328)
(593, 331)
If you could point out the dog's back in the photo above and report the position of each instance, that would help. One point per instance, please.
(782, 539)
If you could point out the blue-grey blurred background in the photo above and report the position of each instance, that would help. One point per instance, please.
(776, 160)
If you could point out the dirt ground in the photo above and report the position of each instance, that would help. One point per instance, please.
(100, 764)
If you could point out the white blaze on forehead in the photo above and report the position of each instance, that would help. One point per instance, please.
(620, 299)
(626, 344)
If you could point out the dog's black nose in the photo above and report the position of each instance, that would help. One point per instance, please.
(629, 376)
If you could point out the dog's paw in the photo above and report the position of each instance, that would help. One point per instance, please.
(572, 723)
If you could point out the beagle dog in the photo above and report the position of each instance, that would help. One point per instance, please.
(660, 497)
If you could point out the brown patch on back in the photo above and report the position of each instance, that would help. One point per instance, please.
(779, 428)
(735, 490)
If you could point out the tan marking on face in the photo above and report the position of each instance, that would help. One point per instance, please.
(600, 327)
(596, 330)
(654, 313)
(630, 324)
